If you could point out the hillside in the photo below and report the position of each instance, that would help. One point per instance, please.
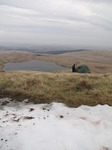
(72, 89)
(99, 61)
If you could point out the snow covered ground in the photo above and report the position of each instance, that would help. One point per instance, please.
(55, 127)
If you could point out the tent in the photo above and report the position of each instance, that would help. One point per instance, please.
(83, 69)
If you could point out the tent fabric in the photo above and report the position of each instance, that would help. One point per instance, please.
(83, 69)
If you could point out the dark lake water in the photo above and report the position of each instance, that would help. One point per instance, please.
(33, 65)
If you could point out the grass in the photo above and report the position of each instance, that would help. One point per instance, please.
(97, 60)
(72, 89)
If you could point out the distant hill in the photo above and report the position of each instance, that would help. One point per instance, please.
(61, 51)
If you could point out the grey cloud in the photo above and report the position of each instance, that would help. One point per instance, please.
(93, 1)
(54, 20)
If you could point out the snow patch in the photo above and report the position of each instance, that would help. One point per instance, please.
(26, 126)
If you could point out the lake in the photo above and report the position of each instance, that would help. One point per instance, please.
(33, 65)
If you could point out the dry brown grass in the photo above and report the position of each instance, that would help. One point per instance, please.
(98, 61)
(72, 89)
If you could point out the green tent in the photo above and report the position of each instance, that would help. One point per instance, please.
(83, 69)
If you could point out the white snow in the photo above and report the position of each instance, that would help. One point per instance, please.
(55, 127)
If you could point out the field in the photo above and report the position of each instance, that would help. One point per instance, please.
(72, 89)
(98, 61)
(61, 86)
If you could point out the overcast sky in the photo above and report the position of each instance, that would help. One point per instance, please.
(83, 23)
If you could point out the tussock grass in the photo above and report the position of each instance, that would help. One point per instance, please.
(72, 89)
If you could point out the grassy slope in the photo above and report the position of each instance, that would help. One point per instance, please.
(71, 89)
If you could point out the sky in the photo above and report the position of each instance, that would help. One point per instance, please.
(77, 23)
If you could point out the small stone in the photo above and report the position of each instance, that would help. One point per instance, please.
(31, 109)
(16, 120)
(27, 117)
(61, 116)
